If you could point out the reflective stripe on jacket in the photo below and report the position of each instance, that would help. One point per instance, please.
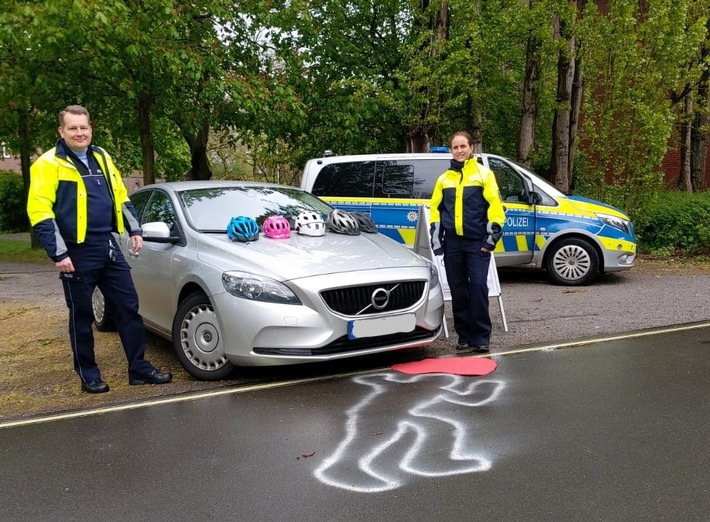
(468, 202)
(57, 201)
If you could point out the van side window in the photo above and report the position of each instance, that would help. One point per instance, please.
(351, 179)
(426, 172)
(394, 180)
(411, 178)
(510, 185)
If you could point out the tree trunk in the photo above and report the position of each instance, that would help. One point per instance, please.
(23, 132)
(200, 164)
(685, 144)
(146, 136)
(699, 147)
(577, 91)
(531, 99)
(560, 168)
(701, 127)
(419, 140)
(419, 136)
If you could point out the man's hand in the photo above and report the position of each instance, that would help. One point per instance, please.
(65, 265)
(136, 244)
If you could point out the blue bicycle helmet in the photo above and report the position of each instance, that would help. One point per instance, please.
(242, 228)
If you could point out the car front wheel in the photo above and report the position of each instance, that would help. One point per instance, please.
(572, 262)
(198, 341)
(103, 315)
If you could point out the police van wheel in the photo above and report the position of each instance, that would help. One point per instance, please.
(572, 262)
(103, 315)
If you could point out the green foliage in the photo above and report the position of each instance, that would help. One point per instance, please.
(13, 216)
(675, 223)
(291, 79)
(633, 58)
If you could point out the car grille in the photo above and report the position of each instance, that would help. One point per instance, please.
(344, 344)
(357, 300)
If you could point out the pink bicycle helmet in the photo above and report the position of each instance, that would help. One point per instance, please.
(276, 227)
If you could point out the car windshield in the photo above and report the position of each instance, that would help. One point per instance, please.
(210, 209)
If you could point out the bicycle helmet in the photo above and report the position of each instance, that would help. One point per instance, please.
(364, 222)
(343, 223)
(242, 228)
(276, 227)
(310, 224)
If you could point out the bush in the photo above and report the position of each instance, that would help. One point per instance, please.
(13, 209)
(675, 223)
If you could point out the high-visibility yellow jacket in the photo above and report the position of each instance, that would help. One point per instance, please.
(467, 202)
(57, 200)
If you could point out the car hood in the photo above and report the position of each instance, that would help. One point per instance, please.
(303, 256)
(592, 205)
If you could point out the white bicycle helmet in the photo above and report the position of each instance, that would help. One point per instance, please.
(310, 224)
(343, 223)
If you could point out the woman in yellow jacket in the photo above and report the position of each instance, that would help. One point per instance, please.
(467, 220)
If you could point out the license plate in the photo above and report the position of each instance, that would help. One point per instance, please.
(375, 327)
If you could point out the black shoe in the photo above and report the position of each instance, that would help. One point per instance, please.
(463, 346)
(154, 377)
(481, 348)
(95, 386)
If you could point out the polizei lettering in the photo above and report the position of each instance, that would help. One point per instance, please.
(517, 221)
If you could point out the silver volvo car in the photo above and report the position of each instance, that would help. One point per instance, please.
(270, 301)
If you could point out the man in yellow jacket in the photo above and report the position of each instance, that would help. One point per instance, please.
(76, 201)
(467, 220)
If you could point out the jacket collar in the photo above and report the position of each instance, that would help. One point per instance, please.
(64, 152)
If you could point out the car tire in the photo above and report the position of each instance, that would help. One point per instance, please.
(572, 262)
(103, 314)
(197, 339)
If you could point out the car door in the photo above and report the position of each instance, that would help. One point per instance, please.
(152, 267)
(517, 245)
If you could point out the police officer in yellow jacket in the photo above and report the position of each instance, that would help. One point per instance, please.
(467, 220)
(76, 200)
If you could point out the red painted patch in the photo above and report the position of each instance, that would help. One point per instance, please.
(452, 365)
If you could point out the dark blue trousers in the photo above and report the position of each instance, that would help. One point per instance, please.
(467, 274)
(102, 264)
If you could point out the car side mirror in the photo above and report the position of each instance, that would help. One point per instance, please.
(534, 198)
(158, 232)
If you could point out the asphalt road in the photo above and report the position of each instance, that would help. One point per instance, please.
(614, 430)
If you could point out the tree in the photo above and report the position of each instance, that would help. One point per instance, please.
(635, 56)
(33, 83)
(701, 124)
(531, 94)
(563, 139)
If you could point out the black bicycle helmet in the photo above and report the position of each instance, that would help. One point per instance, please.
(242, 228)
(364, 222)
(343, 223)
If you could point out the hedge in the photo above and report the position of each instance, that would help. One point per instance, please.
(13, 214)
(675, 224)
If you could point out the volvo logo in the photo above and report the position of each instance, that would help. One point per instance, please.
(380, 298)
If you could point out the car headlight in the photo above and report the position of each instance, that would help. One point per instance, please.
(616, 222)
(258, 288)
(434, 274)
(433, 271)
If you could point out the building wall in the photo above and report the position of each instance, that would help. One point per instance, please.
(671, 169)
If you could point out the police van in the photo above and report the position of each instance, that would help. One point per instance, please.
(571, 237)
